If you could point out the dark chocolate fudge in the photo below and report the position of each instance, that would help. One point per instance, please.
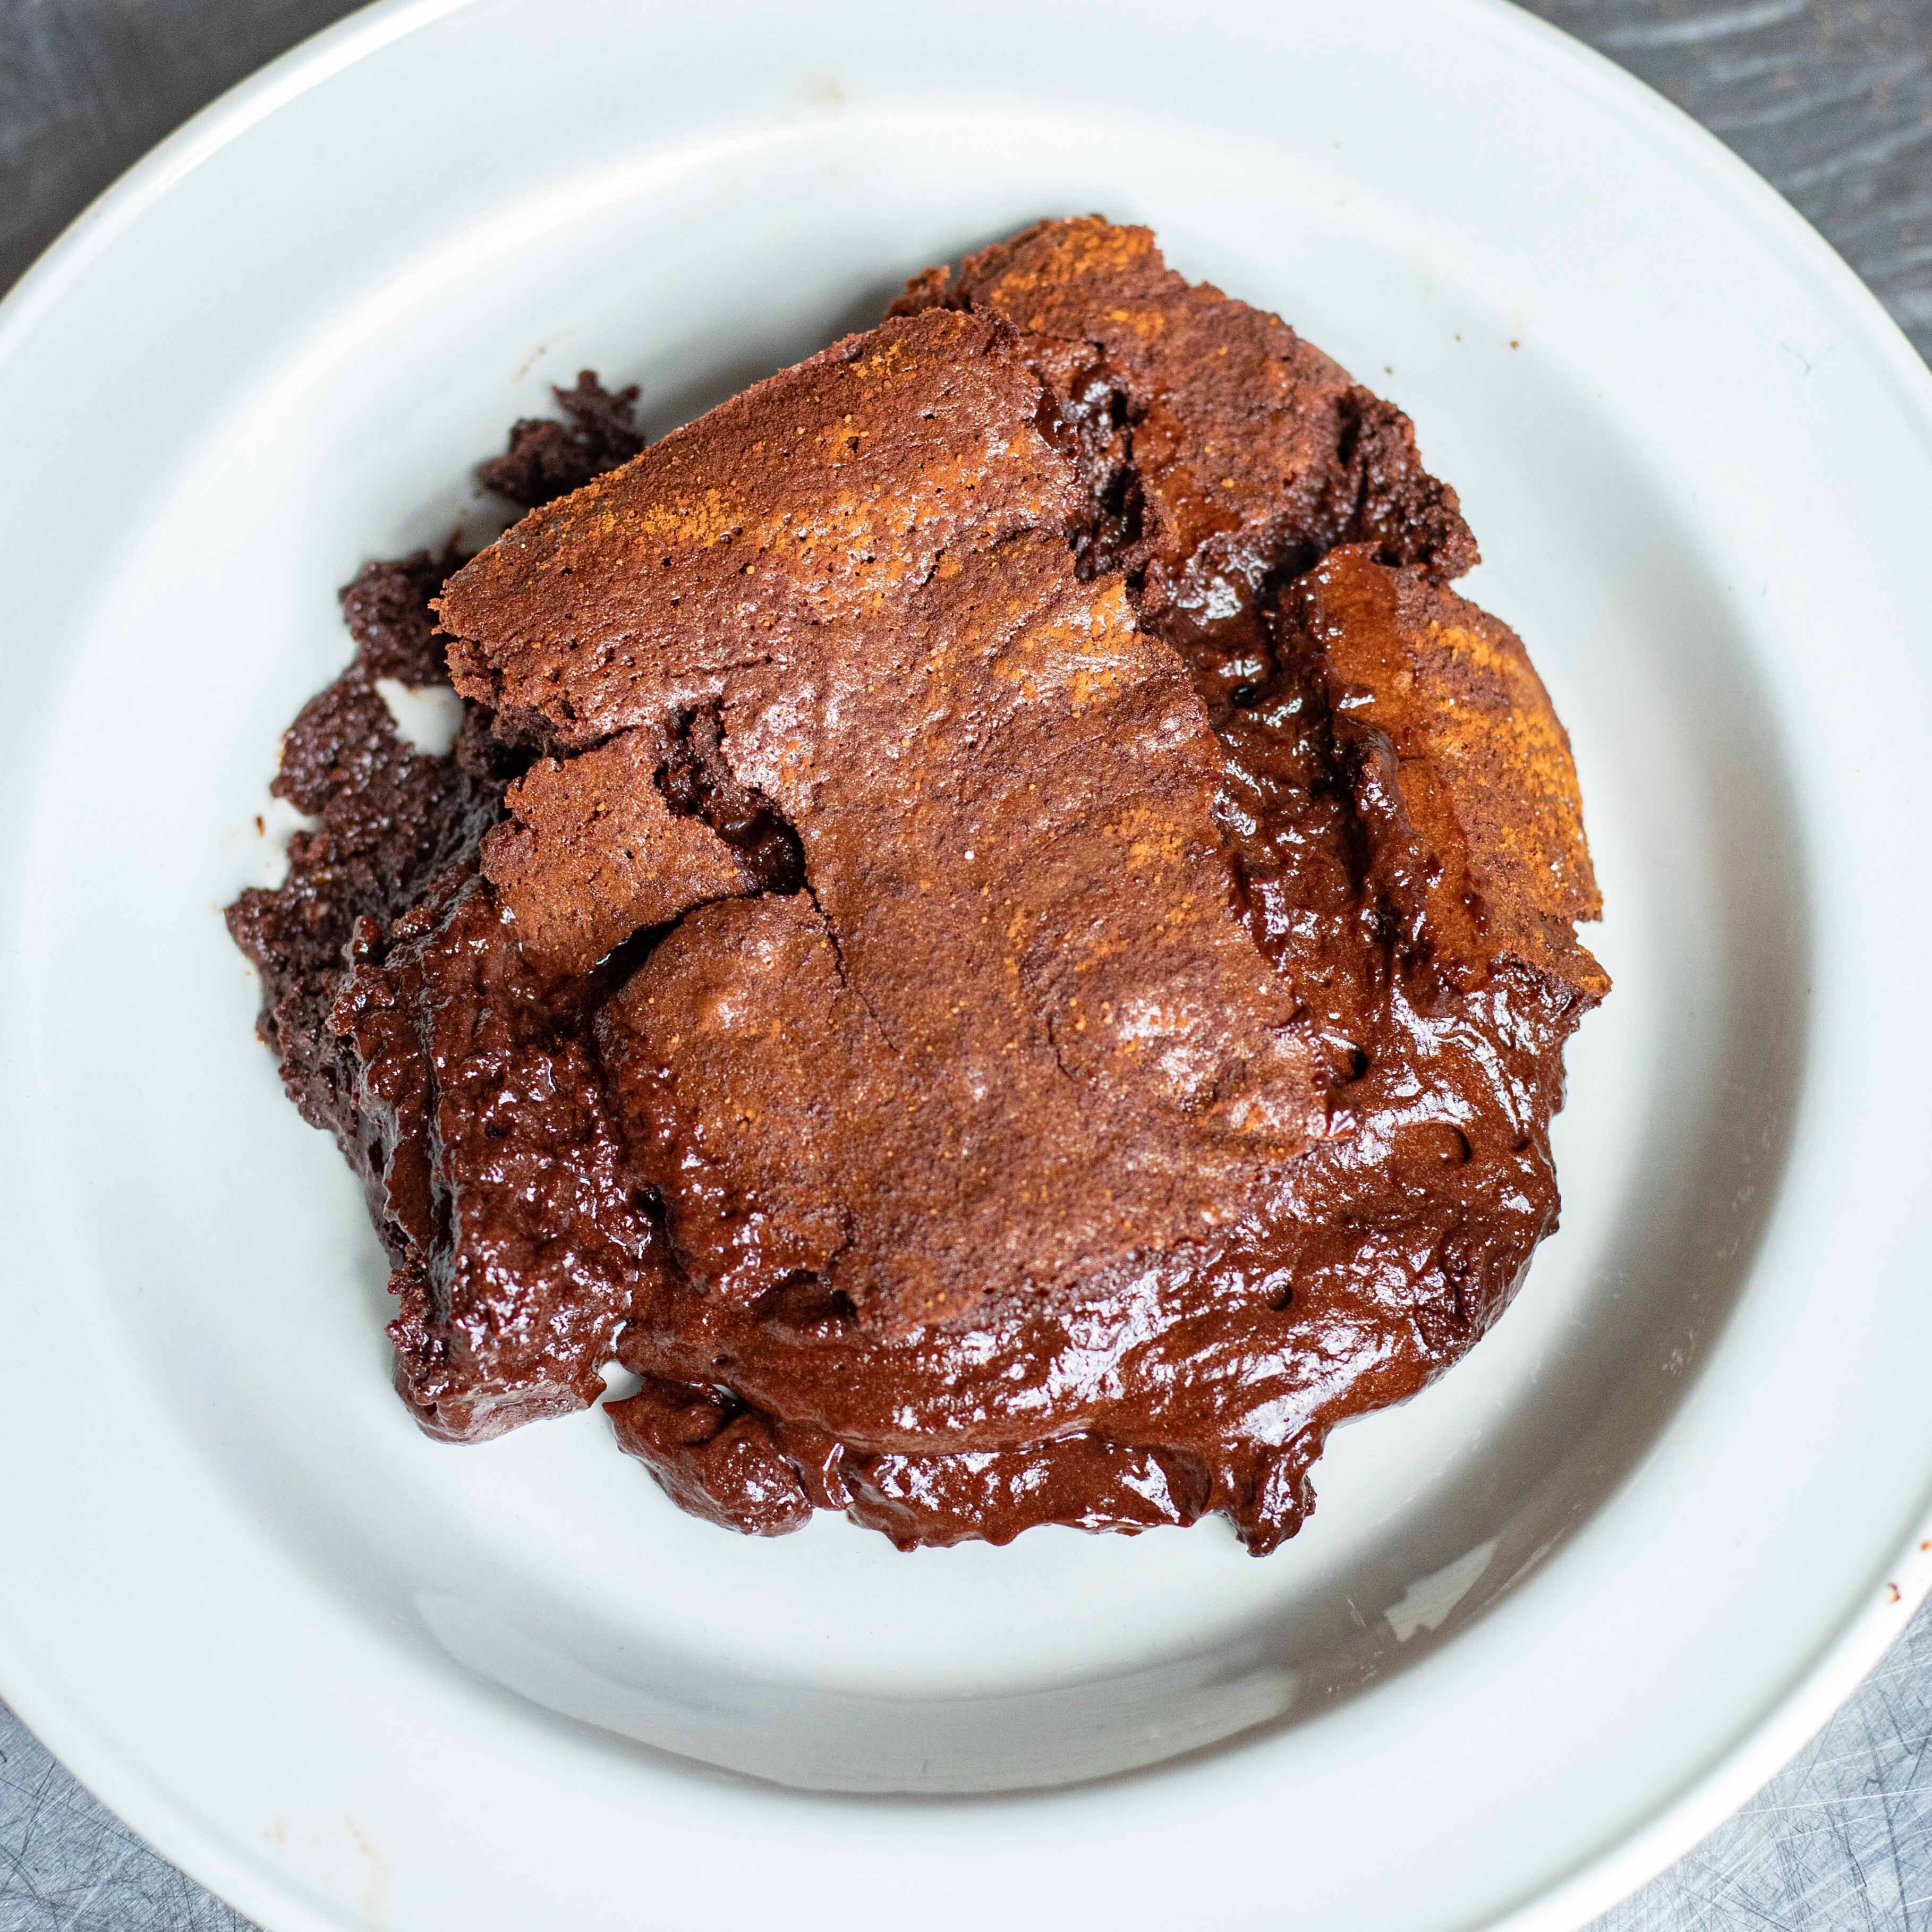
(996, 933)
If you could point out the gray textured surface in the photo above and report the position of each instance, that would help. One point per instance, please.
(1832, 101)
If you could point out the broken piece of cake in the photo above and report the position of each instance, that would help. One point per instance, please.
(995, 931)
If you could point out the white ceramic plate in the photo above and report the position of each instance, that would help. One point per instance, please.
(1554, 1617)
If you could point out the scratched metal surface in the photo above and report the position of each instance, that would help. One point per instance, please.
(1832, 101)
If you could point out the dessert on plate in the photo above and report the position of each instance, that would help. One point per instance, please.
(995, 930)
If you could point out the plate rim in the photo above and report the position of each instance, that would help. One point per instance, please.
(1708, 1793)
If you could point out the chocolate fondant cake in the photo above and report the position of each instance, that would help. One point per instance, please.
(994, 932)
